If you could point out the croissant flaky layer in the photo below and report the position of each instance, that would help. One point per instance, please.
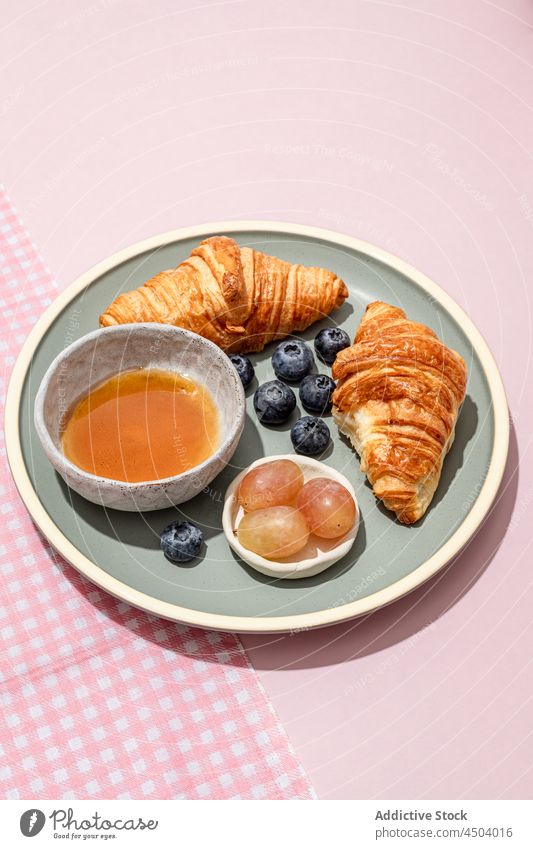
(398, 396)
(237, 297)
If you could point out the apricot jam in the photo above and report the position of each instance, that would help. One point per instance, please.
(142, 425)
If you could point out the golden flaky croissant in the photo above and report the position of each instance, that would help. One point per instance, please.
(398, 397)
(237, 297)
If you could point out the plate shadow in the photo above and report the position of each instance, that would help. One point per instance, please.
(409, 615)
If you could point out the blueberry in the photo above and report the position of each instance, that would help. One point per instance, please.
(315, 393)
(292, 359)
(181, 541)
(310, 435)
(245, 369)
(329, 342)
(274, 402)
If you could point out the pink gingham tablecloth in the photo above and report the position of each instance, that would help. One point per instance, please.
(100, 700)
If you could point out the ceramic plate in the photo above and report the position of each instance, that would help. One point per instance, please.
(120, 551)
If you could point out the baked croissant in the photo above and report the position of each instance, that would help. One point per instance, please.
(237, 297)
(398, 397)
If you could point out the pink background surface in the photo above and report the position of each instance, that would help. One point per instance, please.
(406, 124)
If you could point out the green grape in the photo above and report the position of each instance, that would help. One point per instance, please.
(328, 507)
(274, 533)
(270, 485)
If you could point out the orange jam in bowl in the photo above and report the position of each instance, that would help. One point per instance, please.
(142, 425)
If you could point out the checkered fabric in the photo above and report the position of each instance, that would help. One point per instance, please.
(100, 700)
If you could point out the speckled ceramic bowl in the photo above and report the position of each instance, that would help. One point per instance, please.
(101, 354)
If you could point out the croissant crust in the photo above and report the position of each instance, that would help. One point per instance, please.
(398, 396)
(239, 298)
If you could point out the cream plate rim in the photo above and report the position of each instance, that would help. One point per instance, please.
(252, 624)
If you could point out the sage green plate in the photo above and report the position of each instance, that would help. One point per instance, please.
(120, 551)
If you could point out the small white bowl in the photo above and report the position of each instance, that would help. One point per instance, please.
(318, 554)
(100, 355)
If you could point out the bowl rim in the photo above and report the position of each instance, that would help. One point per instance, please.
(60, 460)
(299, 571)
(241, 622)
